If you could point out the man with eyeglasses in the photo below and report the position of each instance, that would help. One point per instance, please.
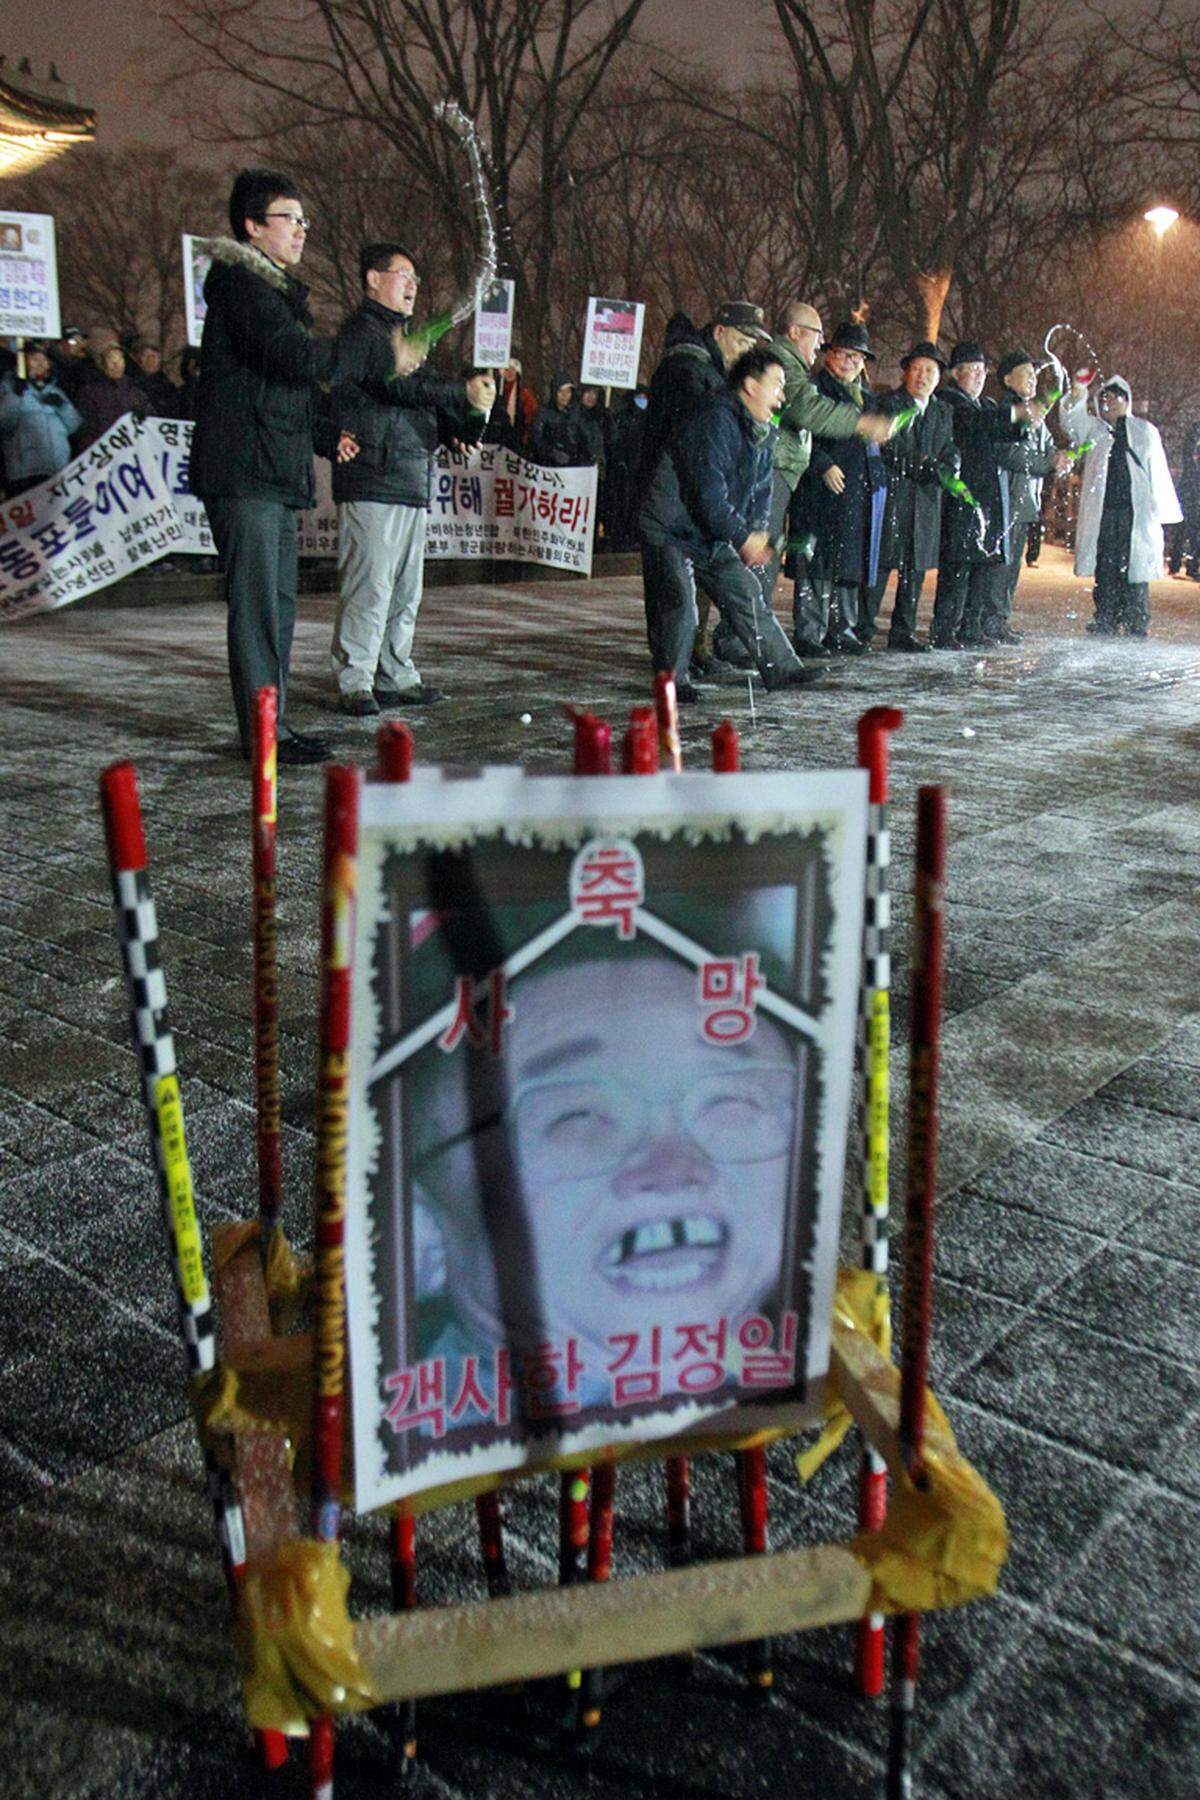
(652, 1167)
(383, 494)
(252, 451)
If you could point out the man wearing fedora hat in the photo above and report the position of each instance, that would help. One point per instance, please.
(694, 364)
(805, 411)
(918, 458)
(841, 503)
(1025, 465)
(975, 530)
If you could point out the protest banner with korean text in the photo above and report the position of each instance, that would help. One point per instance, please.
(612, 344)
(109, 512)
(28, 276)
(602, 1042)
(488, 503)
(172, 444)
(494, 325)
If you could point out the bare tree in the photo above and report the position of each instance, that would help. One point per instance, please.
(120, 216)
(528, 70)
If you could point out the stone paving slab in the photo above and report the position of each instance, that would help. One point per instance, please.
(1066, 1349)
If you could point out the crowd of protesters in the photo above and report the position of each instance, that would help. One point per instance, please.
(748, 454)
(69, 394)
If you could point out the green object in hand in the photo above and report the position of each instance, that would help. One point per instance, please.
(903, 419)
(429, 333)
(1078, 450)
(954, 484)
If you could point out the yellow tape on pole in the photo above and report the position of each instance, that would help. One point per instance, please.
(168, 1109)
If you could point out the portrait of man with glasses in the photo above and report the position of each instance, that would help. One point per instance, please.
(599, 1130)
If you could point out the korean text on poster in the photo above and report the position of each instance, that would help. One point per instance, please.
(612, 344)
(494, 325)
(488, 503)
(601, 1059)
(171, 440)
(109, 512)
(196, 264)
(28, 276)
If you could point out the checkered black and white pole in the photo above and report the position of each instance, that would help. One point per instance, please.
(874, 1048)
(154, 1046)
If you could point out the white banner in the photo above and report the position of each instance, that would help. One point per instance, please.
(492, 503)
(612, 344)
(172, 441)
(196, 264)
(28, 276)
(109, 512)
(494, 326)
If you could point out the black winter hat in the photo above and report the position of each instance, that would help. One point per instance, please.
(851, 336)
(924, 348)
(1011, 360)
(966, 352)
(743, 315)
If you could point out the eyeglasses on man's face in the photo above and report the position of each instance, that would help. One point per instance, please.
(295, 219)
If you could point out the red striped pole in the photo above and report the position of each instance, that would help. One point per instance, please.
(404, 1599)
(928, 926)
(640, 751)
(266, 968)
(154, 1046)
(666, 710)
(874, 729)
(751, 1464)
(329, 1334)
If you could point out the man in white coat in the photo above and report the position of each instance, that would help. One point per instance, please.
(1127, 496)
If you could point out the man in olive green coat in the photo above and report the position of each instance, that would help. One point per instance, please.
(806, 412)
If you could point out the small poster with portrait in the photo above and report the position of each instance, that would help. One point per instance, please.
(197, 261)
(600, 1072)
(28, 276)
(494, 325)
(612, 343)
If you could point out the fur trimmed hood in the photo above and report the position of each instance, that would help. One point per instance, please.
(244, 256)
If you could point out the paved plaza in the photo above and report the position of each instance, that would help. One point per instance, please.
(1068, 1277)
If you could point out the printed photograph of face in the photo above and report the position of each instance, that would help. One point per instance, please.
(647, 1167)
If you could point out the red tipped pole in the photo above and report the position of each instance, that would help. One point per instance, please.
(928, 925)
(593, 744)
(266, 968)
(874, 733)
(599, 1568)
(751, 1464)
(394, 746)
(154, 1046)
(329, 1334)
(404, 1599)
(726, 749)
(666, 711)
(640, 752)
(490, 1517)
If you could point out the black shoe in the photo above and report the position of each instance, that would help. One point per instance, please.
(979, 643)
(1138, 631)
(946, 644)
(719, 672)
(774, 679)
(295, 751)
(1095, 629)
(1009, 637)
(810, 648)
(421, 695)
(849, 645)
(909, 645)
(358, 706)
(687, 693)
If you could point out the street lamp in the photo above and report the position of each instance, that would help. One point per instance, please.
(1160, 219)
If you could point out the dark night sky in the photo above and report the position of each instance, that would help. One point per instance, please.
(107, 50)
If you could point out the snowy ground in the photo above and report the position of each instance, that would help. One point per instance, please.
(1068, 1276)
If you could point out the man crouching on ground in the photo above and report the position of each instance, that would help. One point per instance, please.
(705, 516)
(383, 494)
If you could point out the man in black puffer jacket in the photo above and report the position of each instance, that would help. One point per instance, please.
(704, 520)
(252, 449)
(383, 493)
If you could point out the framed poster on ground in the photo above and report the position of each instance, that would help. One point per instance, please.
(600, 1072)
